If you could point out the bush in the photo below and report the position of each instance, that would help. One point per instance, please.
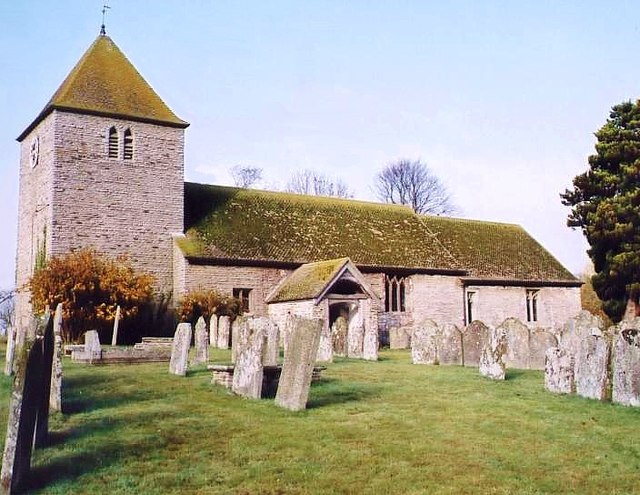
(204, 303)
(90, 286)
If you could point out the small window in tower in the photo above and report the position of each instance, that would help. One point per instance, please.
(244, 296)
(128, 145)
(113, 143)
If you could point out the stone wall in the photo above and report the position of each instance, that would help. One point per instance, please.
(436, 297)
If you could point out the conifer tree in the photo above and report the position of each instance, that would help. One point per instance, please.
(605, 203)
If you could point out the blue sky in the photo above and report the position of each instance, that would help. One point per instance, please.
(499, 98)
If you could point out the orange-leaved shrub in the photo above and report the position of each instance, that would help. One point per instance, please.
(90, 286)
(205, 303)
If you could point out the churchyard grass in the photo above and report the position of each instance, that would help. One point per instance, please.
(371, 427)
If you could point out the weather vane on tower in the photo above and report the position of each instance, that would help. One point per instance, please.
(104, 12)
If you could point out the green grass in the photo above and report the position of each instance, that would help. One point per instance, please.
(371, 428)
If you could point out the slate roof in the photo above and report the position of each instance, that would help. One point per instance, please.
(308, 281)
(104, 82)
(226, 223)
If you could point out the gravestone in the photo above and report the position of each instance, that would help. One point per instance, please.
(424, 346)
(576, 329)
(450, 345)
(201, 342)
(116, 324)
(626, 364)
(370, 345)
(249, 348)
(558, 371)
(55, 397)
(11, 346)
(398, 338)
(272, 334)
(492, 358)
(180, 350)
(24, 405)
(592, 367)
(325, 348)
(286, 331)
(239, 322)
(46, 367)
(213, 330)
(540, 341)
(475, 337)
(355, 340)
(517, 338)
(297, 370)
(224, 327)
(92, 348)
(339, 332)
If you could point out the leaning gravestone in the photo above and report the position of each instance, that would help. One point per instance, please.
(116, 324)
(540, 341)
(213, 330)
(371, 344)
(325, 348)
(592, 367)
(355, 340)
(424, 347)
(558, 372)
(450, 345)
(46, 367)
(339, 331)
(517, 337)
(224, 327)
(92, 348)
(272, 334)
(297, 370)
(55, 397)
(201, 342)
(248, 373)
(626, 364)
(398, 338)
(180, 350)
(26, 400)
(474, 338)
(492, 359)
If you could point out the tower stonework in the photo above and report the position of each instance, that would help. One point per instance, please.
(102, 166)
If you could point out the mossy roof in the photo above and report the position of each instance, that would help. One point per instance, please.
(226, 222)
(250, 225)
(308, 281)
(105, 82)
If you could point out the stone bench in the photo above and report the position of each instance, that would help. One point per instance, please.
(222, 374)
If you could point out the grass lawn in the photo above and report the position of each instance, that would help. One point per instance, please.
(371, 428)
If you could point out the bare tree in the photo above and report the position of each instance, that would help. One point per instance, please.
(246, 177)
(317, 184)
(411, 183)
(7, 309)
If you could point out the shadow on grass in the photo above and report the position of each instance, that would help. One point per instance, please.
(512, 374)
(329, 391)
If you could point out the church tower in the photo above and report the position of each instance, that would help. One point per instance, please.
(101, 166)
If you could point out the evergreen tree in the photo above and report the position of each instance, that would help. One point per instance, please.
(605, 203)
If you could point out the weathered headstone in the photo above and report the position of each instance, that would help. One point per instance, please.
(475, 337)
(201, 342)
(325, 348)
(46, 368)
(574, 331)
(92, 348)
(424, 346)
(398, 338)
(23, 410)
(492, 359)
(180, 350)
(224, 328)
(450, 345)
(339, 331)
(55, 397)
(355, 339)
(592, 367)
(248, 372)
(235, 330)
(517, 338)
(371, 344)
(540, 341)
(297, 370)
(213, 330)
(11, 346)
(116, 324)
(271, 349)
(558, 371)
(626, 364)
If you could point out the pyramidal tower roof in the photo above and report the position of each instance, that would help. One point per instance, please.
(104, 82)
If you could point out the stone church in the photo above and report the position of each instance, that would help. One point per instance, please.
(102, 165)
